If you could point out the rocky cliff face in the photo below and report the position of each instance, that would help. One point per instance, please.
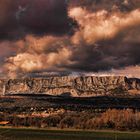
(70, 86)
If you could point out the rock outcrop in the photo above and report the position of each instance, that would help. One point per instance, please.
(71, 86)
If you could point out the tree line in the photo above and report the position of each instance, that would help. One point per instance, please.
(127, 119)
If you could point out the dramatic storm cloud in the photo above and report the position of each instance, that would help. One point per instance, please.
(105, 39)
(69, 36)
(20, 17)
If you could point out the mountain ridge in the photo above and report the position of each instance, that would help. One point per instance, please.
(76, 86)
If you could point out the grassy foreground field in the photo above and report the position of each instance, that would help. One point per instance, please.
(40, 134)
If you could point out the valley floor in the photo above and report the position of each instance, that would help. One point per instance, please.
(44, 134)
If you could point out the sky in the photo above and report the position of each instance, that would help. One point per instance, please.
(70, 36)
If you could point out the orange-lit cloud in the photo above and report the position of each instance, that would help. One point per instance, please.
(38, 54)
(101, 25)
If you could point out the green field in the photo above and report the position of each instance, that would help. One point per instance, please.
(40, 134)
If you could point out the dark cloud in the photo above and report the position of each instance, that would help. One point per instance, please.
(40, 17)
(90, 59)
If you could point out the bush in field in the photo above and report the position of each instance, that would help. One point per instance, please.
(52, 121)
(67, 122)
